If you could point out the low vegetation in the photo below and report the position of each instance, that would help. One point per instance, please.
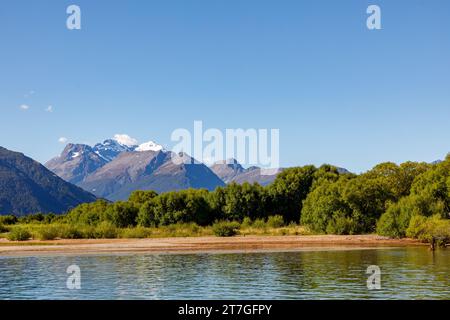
(19, 234)
(407, 200)
(106, 230)
(226, 228)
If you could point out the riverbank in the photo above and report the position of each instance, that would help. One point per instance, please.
(199, 244)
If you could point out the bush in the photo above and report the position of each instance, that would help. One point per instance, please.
(19, 234)
(275, 221)
(225, 228)
(32, 218)
(139, 197)
(135, 233)
(427, 229)
(122, 214)
(3, 228)
(8, 220)
(48, 232)
(246, 223)
(88, 213)
(322, 203)
(106, 230)
(147, 216)
(259, 224)
(75, 232)
(342, 224)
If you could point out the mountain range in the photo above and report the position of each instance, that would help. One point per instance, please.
(112, 170)
(26, 187)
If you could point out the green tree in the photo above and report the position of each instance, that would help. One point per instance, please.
(88, 213)
(138, 197)
(288, 191)
(246, 200)
(122, 214)
(147, 216)
(321, 205)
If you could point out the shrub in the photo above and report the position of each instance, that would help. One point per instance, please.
(3, 228)
(342, 224)
(19, 234)
(31, 218)
(106, 230)
(259, 224)
(88, 213)
(8, 220)
(122, 214)
(139, 197)
(48, 232)
(246, 223)
(147, 215)
(427, 229)
(275, 221)
(225, 228)
(322, 203)
(135, 233)
(180, 230)
(74, 232)
(86, 232)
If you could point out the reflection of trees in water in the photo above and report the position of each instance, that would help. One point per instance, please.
(316, 274)
(406, 273)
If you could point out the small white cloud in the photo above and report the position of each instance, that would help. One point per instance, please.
(62, 140)
(125, 140)
(49, 109)
(24, 107)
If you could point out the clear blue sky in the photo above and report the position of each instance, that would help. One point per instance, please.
(338, 92)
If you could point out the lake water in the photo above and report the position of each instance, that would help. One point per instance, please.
(406, 273)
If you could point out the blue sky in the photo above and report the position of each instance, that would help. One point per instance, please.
(338, 92)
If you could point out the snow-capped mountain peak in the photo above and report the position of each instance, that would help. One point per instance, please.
(111, 148)
(149, 146)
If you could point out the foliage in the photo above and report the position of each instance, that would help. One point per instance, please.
(8, 220)
(289, 189)
(226, 228)
(19, 234)
(246, 200)
(176, 207)
(276, 221)
(322, 203)
(429, 229)
(37, 218)
(138, 198)
(122, 214)
(246, 222)
(259, 224)
(106, 230)
(385, 199)
(138, 233)
(3, 228)
(341, 223)
(88, 213)
(76, 232)
(48, 232)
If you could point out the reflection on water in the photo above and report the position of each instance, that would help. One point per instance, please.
(407, 273)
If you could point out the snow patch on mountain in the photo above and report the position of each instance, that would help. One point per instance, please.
(149, 146)
(125, 140)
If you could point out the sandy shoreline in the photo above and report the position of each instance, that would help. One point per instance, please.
(199, 244)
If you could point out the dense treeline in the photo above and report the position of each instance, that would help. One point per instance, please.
(231, 203)
(411, 199)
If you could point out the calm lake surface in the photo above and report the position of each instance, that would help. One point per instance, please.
(407, 273)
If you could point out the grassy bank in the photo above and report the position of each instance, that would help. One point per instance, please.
(56, 230)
